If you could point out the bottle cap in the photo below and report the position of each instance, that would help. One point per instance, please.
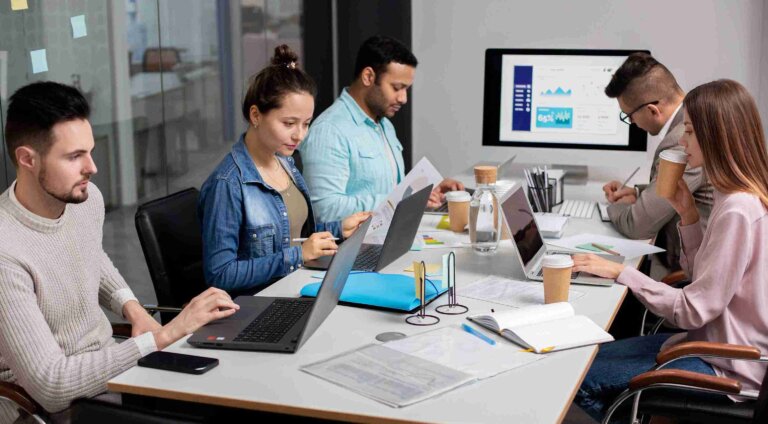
(485, 174)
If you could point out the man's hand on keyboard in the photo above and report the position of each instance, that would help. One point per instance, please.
(616, 193)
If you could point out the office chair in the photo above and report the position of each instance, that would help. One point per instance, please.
(160, 59)
(172, 243)
(672, 393)
(677, 279)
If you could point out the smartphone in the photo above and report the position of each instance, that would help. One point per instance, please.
(178, 362)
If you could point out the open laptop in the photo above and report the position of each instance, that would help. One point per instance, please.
(399, 239)
(531, 248)
(282, 324)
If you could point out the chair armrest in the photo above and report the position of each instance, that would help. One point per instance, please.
(724, 350)
(19, 396)
(687, 378)
(674, 277)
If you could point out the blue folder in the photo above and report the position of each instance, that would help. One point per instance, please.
(390, 291)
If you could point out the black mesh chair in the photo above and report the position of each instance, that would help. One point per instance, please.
(676, 394)
(173, 248)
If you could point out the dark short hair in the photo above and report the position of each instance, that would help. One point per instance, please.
(641, 75)
(35, 108)
(283, 76)
(379, 51)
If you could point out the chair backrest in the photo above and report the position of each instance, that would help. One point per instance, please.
(173, 247)
(761, 405)
(160, 59)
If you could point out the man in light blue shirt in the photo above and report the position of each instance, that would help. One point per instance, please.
(352, 158)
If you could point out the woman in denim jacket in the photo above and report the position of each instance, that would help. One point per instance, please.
(255, 203)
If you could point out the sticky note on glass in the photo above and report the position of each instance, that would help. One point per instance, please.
(418, 280)
(78, 26)
(19, 5)
(39, 61)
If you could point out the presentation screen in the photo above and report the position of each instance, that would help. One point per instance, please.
(556, 99)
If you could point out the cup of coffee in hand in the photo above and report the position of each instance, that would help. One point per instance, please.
(671, 168)
(458, 209)
(557, 277)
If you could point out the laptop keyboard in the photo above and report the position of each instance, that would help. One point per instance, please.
(577, 208)
(368, 257)
(272, 324)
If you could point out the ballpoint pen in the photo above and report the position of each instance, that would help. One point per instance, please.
(303, 239)
(624, 184)
(605, 249)
(478, 334)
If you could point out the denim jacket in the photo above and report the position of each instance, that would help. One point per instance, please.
(246, 233)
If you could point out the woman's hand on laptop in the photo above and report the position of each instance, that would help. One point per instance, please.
(317, 245)
(350, 223)
(208, 306)
(596, 265)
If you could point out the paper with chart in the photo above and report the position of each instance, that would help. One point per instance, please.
(514, 293)
(387, 375)
(420, 176)
(459, 350)
(627, 248)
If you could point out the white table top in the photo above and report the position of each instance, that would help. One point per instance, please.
(537, 393)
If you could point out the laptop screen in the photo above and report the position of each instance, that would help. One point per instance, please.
(522, 225)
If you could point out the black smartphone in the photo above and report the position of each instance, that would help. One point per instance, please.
(178, 362)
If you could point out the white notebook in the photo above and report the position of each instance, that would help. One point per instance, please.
(544, 328)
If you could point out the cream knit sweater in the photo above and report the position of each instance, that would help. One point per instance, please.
(55, 341)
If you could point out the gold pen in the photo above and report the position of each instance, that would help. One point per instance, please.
(605, 249)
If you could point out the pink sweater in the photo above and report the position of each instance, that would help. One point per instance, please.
(727, 300)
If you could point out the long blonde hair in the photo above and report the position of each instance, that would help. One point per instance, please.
(728, 127)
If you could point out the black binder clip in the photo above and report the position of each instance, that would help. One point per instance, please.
(452, 307)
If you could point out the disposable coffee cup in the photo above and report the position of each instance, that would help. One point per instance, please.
(671, 169)
(458, 209)
(557, 277)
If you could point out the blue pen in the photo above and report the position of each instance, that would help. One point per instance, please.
(478, 334)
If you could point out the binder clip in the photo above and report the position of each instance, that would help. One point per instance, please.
(449, 276)
(420, 278)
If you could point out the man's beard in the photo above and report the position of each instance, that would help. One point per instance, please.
(69, 197)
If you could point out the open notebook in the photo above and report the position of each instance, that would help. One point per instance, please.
(544, 328)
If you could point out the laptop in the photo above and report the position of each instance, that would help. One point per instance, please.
(282, 324)
(531, 248)
(399, 239)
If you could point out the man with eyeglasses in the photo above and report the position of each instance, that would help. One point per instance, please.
(650, 98)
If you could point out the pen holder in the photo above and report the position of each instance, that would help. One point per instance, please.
(558, 191)
(542, 200)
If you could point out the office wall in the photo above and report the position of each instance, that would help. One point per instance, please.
(699, 40)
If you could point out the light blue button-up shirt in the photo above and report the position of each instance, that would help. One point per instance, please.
(345, 158)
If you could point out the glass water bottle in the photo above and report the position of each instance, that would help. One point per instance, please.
(484, 217)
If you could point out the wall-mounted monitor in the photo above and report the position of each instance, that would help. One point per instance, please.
(554, 98)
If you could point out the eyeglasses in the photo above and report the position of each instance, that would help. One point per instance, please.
(627, 117)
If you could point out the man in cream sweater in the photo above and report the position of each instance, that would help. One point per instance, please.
(56, 342)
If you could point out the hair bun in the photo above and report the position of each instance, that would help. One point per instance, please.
(284, 56)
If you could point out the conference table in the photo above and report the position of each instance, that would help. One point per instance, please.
(540, 392)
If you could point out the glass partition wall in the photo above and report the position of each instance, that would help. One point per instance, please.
(164, 79)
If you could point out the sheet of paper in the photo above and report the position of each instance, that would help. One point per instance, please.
(19, 5)
(39, 61)
(420, 176)
(78, 26)
(550, 222)
(627, 248)
(459, 350)
(388, 376)
(514, 293)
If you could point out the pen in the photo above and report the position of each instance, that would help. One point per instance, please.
(478, 334)
(547, 349)
(303, 239)
(630, 177)
(605, 249)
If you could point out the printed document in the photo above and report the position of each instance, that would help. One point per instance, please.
(514, 293)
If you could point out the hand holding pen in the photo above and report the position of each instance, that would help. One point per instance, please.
(317, 245)
(616, 192)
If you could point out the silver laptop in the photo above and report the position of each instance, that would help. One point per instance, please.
(531, 248)
(279, 324)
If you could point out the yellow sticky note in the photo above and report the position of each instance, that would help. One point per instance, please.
(418, 280)
(432, 269)
(19, 5)
(444, 224)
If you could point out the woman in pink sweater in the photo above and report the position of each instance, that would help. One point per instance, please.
(727, 263)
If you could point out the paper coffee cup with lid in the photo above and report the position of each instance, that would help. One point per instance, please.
(458, 209)
(557, 277)
(672, 165)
